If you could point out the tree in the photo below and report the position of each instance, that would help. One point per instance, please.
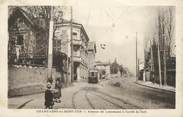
(164, 40)
(114, 67)
(51, 15)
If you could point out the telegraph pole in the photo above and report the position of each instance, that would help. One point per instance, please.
(159, 58)
(50, 46)
(164, 52)
(136, 60)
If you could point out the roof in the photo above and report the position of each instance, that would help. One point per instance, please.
(99, 63)
(74, 24)
(29, 18)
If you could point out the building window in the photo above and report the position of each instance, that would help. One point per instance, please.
(20, 40)
(57, 45)
(74, 33)
(92, 74)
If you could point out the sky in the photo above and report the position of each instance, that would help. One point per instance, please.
(115, 25)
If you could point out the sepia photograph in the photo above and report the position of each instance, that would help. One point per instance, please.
(118, 57)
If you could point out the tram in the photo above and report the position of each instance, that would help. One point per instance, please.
(93, 76)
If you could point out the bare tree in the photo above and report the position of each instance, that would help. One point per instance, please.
(163, 34)
(165, 37)
(170, 27)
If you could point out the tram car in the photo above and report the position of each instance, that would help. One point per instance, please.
(94, 76)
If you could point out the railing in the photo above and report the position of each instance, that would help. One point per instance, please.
(76, 59)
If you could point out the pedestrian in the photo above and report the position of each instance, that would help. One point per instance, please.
(58, 87)
(48, 97)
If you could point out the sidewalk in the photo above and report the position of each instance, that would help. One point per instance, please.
(156, 86)
(36, 101)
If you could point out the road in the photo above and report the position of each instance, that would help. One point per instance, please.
(103, 95)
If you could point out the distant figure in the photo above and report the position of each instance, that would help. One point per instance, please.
(58, 87)
(121, 70)
(48, 97)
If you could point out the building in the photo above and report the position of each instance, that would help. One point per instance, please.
(104, 68)
(27, 38)
(62, 42)
(28, 42)
(27, 52)
(91, 54)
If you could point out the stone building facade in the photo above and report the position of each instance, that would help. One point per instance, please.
(103, 68)
(27, 38)
(62, 41)
(91, 54)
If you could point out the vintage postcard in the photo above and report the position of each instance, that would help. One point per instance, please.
(115, 58)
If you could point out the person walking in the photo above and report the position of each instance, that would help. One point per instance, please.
(58, 87)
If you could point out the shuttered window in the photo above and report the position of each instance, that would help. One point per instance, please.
(20, 40)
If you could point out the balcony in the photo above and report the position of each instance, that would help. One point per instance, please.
(77, 42)
(76, 59)
(77, 56)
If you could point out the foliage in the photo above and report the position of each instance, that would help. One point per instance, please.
(114, 67)
(59, 61)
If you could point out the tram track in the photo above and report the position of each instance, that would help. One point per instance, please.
(109, 101)
(73, 97)
(88, 100)
(88, 92)
(121, 100)
(74, 104)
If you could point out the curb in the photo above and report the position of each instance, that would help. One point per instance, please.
(22, 105)
(155, 87)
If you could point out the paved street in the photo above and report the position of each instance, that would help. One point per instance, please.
(103, 96)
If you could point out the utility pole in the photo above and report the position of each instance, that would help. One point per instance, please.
(71, 47)
(165, 79)
(136, 60)
(159, 58)
(67, 68)
(50, 46)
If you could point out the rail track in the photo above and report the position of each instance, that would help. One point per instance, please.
(98, 95)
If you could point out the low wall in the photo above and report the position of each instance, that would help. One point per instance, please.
(23, 80)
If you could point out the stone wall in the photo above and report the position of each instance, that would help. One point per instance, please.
(23, 80)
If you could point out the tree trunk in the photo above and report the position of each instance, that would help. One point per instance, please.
(159, 63)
